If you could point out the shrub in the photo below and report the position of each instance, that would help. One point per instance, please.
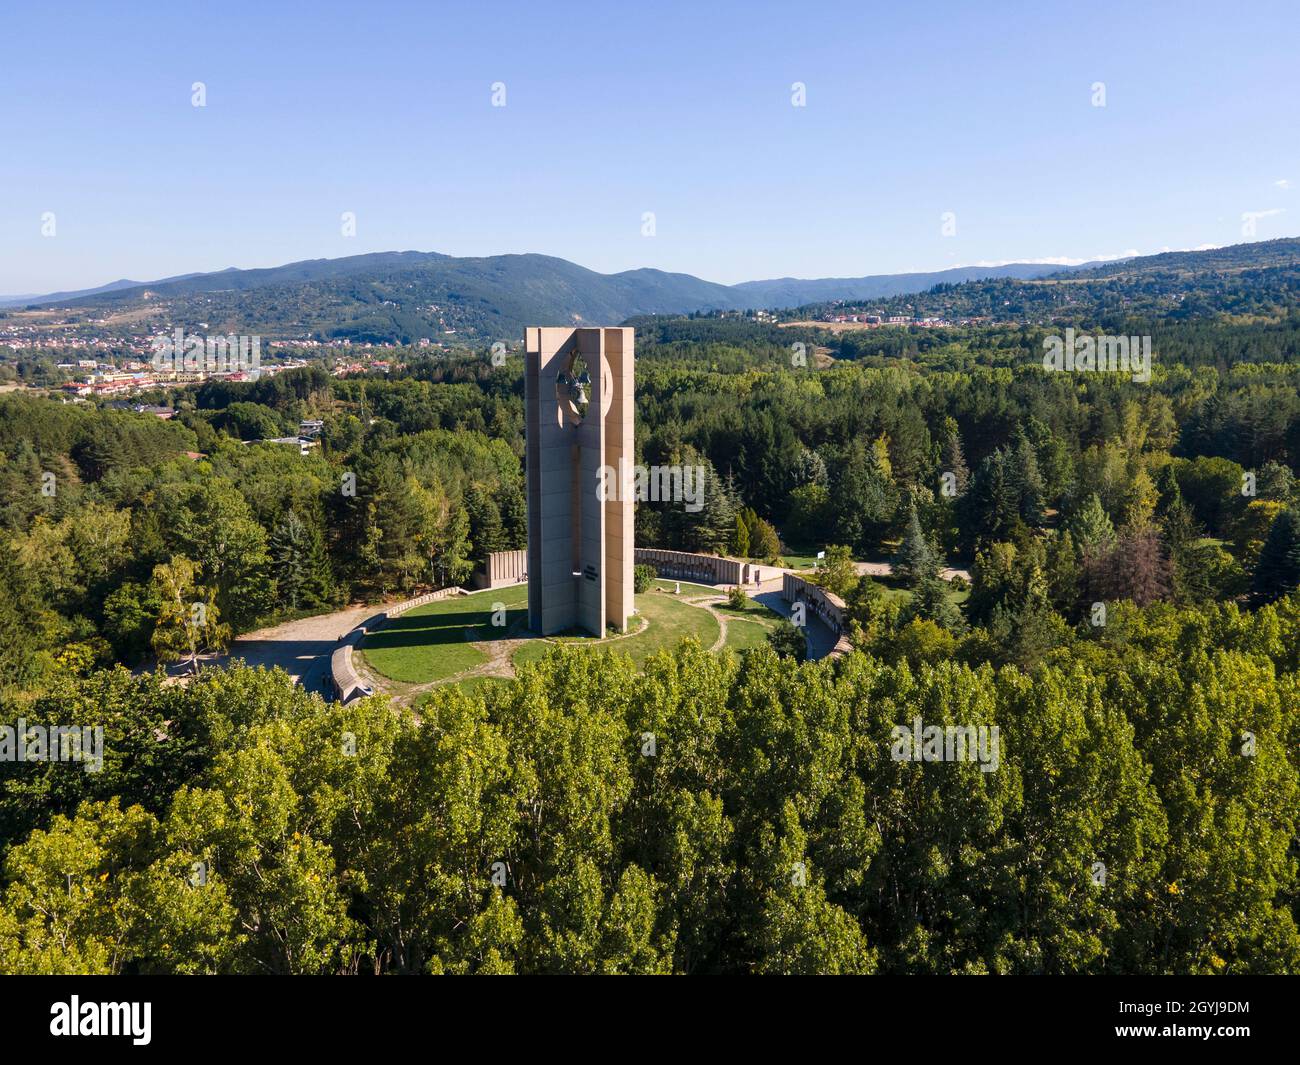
(788, 641)
(642, 578)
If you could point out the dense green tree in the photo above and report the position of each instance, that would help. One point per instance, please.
(916, 560)
(1278, 570)
(1092, 529)
(189, 619)
(299, 562)
(788, 641)
(740, 543)
(835, 571)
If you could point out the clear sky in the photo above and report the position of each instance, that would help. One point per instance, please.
(614, 110)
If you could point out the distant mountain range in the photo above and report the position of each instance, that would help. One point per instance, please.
(82, 293)
(797, 292)
(406, 296)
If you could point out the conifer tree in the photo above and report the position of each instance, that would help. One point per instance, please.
(1092, 528)
(953, 457)
(916, 559)
(1278, 570)
(740, 542)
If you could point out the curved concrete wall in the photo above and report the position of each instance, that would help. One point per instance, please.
(343, 674)
(827, 606)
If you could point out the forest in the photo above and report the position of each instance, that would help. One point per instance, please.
(1128, 623)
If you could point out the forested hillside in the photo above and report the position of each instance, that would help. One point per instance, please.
(1243, 279)
(403, 297)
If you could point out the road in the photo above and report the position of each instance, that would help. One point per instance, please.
(302, 648)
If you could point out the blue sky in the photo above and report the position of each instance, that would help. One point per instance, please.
(615, 110)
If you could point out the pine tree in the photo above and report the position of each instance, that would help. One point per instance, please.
(740, 542)
(287, 559)
(930, 601)
(1063, 574)
(764, 542)
(863, 501)
(953, 457)
(990, 509)
(711, 528)
(299, 563)
(916, 559)
(453, 562)
(1092, 528)
(1278, 571)
(486, 527)
(1026, 634)
(1028, 480)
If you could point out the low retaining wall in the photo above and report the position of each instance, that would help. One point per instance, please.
(428, 597)
(688, 566)
(348, 685)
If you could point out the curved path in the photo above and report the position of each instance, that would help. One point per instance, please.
(302, 647)
(500, 662)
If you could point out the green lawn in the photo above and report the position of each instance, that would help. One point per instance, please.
(430, 643)
(743, 633)
(668, 620)
(894, 588)
(438, 641)
(752, 610)
(689, 588)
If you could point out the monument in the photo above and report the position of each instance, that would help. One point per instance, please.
(578, 396)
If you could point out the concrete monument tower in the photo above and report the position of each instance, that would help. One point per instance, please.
(578, 392)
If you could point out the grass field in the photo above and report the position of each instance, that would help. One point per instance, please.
(689, 588)
(443, 640)
(894, 589)
(431, 642)
(800, 556)
(753, 610)
(667, 618)
(744, 633)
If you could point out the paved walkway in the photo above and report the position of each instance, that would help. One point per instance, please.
(821, 637)
(302, 648)
(884, 569)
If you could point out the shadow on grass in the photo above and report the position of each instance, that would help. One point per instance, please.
(439, 628)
